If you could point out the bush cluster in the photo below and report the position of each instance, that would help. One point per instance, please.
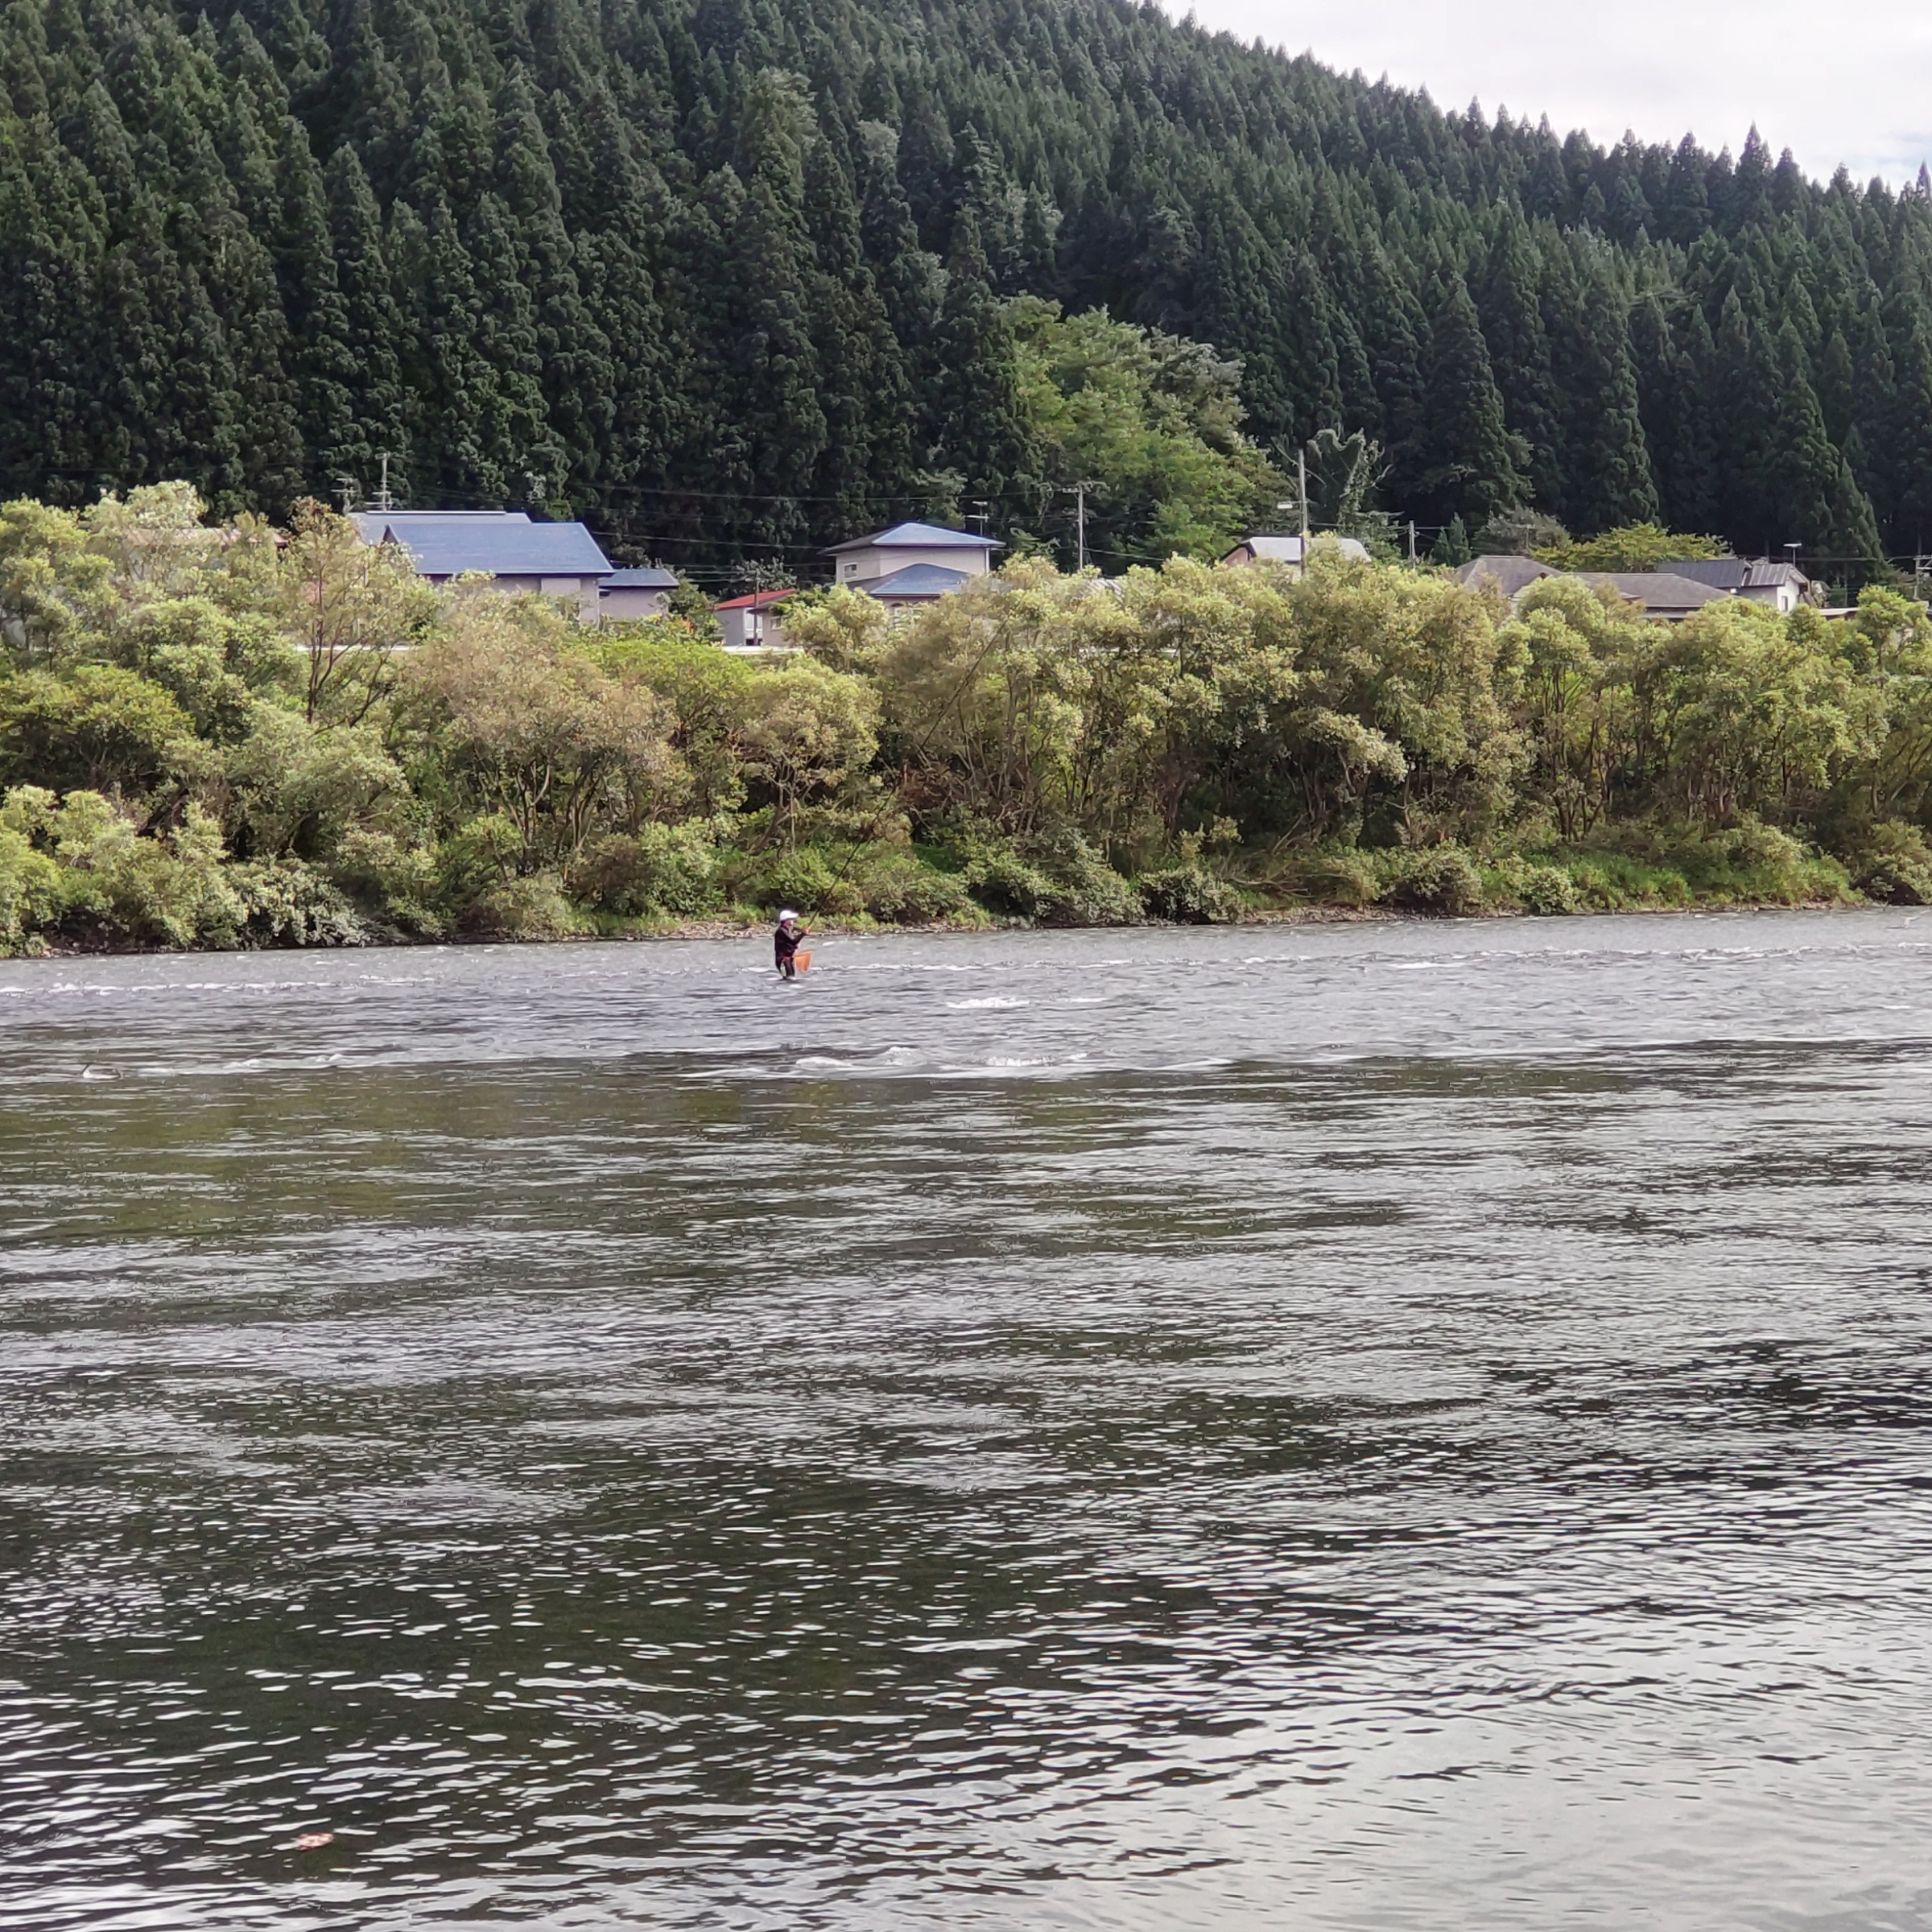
(242, 736)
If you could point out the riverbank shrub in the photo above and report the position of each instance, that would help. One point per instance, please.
(1518, 883)
(1893, 863)
(668, 871)
(1440, 879)
(531, 906)
(236, 737)
(1057, 879)
(285, 903)
(1187, 895)
(897, 888)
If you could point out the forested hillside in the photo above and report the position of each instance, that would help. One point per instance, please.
(732, 277)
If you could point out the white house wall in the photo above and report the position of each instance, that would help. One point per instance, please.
(633, 604)
(866, 564)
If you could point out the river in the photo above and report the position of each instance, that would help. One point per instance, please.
(1380, 1426)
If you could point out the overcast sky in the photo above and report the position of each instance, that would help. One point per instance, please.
(1849, 83)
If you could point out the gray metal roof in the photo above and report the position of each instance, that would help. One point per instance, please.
(1510, 573)
(373, 525)
(503, 543)
(640, 577)
(1737, 573)
(1656, 590)
(918, 536)
(915, 580)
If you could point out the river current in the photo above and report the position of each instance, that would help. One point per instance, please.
(1385, 1426)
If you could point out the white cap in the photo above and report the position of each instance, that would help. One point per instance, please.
(787, 913)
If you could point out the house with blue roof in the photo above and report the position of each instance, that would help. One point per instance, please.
(912, 563)
(549, 559)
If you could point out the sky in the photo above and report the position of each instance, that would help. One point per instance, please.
(1850, 82)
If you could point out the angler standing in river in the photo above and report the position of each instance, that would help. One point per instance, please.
(785, 944)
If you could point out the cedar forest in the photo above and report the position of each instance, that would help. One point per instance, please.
(731, 279)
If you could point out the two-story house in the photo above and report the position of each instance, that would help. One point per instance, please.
(911, 562)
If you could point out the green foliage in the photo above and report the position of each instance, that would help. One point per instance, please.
(1152, 421)
(285, 903)
(95, 727)
(1636, 547)
(806, 733)
(29, 879)
(1000, 880)
(1345, 475)
(1522, 532)
(840, 627)
(393, 882)
(170, 889)
(668, 871)
(1893, 865)
(1186, 895)
(804, 878)
(509, 716)
(1054, 879)
(1442, 878)
(1746, 863)
(1039, 747)
(897, 887)
(1528, 886)
(531, 906)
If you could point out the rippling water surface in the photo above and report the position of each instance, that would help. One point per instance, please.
(1372, 1427)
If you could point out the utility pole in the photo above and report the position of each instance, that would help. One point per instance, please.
(348, 489)
(1412, 542)
(1078, 491)
(980, 507)
(1301, 464)
(384, 499)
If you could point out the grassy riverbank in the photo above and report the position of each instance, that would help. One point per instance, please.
(1757, 868)
(232, 736)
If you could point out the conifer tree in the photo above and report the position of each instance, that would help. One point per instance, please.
(1519, 356)
(982, 432)
(375, 335)
(1467, 464)
(868, 457)
(1806, 479)
(1910, 441)
(1609, 481)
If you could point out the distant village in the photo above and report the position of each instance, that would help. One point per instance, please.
(907, 566)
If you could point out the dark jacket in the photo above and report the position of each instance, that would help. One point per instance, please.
(784, 944)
